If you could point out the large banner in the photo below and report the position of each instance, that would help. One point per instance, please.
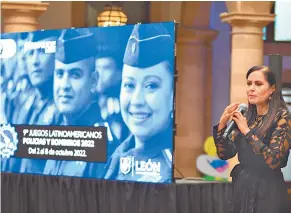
(89, 102)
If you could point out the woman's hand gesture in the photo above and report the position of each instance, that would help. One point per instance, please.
(227, 114)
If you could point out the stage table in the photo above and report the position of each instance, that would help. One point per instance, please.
(23, 193)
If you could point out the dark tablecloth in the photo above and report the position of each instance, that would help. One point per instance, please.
(22, 193)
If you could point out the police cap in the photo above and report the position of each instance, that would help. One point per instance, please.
(75, 45)
(148, 45)
(111, 41)
(45, 34)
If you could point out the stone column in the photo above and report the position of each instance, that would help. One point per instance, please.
(247, 20)
(208, 87)
(192, 96)
(193, 91)
(22, 16)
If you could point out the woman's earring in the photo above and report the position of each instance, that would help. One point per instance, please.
(270, 97)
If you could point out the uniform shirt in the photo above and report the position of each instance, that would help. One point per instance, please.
(91, 117)
(273, 149)
(12, 91)
(150, 164)
(31, 109)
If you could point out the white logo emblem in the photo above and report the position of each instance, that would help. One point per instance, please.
(133, 47)
(48, 46)
(125, 164)
(8, 141)
(8, 48)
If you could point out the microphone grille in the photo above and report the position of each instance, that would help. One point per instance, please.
(243, 108)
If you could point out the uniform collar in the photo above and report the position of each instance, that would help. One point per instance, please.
(153, 148)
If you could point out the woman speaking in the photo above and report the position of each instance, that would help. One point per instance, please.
(262, 141)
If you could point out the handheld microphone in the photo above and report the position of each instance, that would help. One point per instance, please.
(242, 109)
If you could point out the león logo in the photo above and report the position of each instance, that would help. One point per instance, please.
(125, 164)
(139, 167)
(8, 141)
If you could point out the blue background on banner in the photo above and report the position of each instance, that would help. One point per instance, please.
(96, 77)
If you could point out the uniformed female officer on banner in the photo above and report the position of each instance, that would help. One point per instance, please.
(146, 101)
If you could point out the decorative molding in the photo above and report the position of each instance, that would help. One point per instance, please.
(22, 16)
(240, 19)
(28, 5)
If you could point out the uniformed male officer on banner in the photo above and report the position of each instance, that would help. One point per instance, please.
(35, 106)
(109, 62)
(75, 81)
(146, 101)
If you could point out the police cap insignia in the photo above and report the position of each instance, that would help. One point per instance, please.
(148, 45)
(133, 47)
(75, 46)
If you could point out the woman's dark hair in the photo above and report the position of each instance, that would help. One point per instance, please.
(275, 103)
